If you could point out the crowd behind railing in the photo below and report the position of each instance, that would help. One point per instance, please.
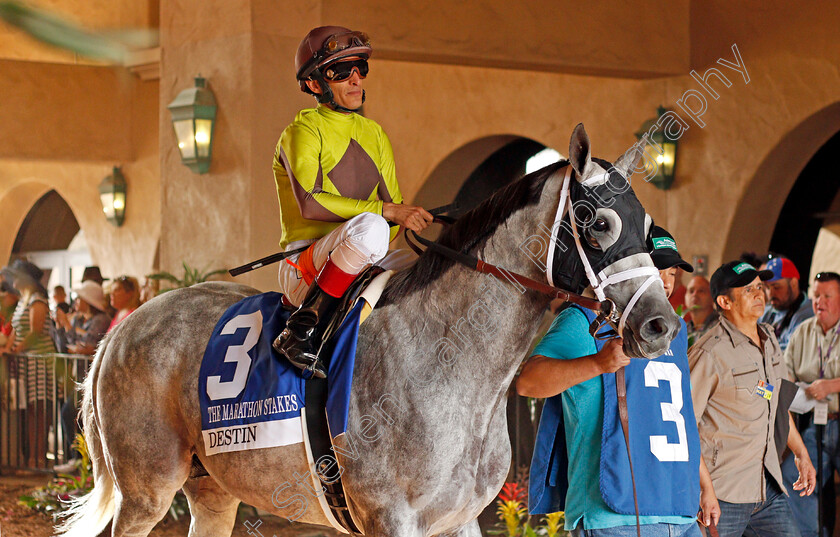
(45, 352)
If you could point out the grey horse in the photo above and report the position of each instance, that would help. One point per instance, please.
(426, 447)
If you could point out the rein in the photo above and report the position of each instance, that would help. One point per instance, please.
(607, 312)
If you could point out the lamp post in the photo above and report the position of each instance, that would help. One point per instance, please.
(193, 117)
(112, 195)
(666, 161)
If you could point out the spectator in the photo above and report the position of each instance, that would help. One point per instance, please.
(9, 297)
(125, 298)
(94, 274)
(677, 298)
(31, 335)
(59, 296)
(82, 337)
(813, 356)
(736, 369)
(788, 304)
(569, 369)
(701, 314)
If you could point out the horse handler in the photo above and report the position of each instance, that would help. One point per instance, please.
(580, 462)
(736, 373)
(337, 188)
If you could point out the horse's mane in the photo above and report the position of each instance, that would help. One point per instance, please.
(470, 232)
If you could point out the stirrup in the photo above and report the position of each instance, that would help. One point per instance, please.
(311, 363)
(315, 369)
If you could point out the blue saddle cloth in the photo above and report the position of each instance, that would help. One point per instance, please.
(250, 396)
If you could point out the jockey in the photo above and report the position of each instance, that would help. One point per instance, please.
(337, 189)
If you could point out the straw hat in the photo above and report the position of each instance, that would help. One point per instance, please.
(92, 293)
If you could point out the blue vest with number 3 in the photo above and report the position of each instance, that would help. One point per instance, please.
(664, 441)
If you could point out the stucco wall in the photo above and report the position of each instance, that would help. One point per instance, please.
(732, 175)
(607, 38)
(133, 127)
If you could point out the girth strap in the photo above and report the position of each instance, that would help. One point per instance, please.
(320, 445)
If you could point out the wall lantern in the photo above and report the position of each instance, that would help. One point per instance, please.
(193, 116)
(112, 196)
(666, 161)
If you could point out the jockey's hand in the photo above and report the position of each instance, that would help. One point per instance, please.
(611, 357)
(414, 218)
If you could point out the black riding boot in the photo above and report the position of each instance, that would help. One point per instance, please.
(301, 339)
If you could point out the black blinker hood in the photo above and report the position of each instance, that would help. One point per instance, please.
(568, 271)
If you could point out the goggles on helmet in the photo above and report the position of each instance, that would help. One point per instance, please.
(332, 48)
(338, 42)
(342, 70)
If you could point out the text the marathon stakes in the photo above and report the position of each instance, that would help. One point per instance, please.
(252, 409)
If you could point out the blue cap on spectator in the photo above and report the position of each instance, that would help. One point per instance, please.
(782, 267)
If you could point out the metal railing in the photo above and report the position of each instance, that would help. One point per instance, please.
(39, 403)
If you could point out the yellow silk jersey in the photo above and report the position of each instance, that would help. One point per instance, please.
(330, 167)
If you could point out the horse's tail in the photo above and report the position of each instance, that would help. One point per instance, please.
(90, 514)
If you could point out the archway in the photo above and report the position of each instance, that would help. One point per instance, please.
(786, 173)
(807, 207)
(49, 225)
(50, 237)
(471, 173)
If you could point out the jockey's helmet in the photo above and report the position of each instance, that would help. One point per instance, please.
(323, 46)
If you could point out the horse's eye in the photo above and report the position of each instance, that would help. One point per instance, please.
(600, 225)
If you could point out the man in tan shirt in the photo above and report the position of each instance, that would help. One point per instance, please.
(736, 369)
(813, 356)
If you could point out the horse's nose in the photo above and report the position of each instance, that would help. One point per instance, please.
(654, 329)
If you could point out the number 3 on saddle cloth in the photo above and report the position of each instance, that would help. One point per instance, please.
(664, 441)
(252, 399)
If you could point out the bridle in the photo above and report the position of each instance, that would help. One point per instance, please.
(600, 281)
(608, 312)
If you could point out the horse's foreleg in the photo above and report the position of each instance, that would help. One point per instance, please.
(213, 510)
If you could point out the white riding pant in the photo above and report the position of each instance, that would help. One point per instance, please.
(352, 246)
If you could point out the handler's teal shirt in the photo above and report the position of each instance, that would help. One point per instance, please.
(583, 412)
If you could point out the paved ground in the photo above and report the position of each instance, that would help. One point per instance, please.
(19, 521)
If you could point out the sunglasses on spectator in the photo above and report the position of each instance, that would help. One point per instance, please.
(338, 71)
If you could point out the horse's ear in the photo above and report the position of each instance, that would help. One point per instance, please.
(579, 154)
(626, 163)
